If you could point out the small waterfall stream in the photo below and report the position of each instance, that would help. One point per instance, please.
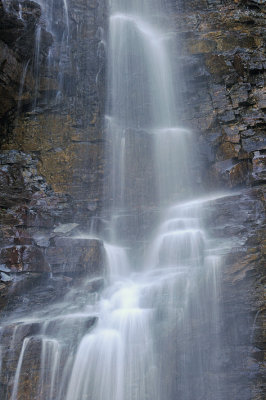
(157, 330)
(58, 53)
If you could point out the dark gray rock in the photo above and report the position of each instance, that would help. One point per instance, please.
(76, 256)
(254, 143)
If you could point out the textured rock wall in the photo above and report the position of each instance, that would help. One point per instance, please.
(227, 44)
(17, 40)
(51, 166)
(223, 62)
(64, 129)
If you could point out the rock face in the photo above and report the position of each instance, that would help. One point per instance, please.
(239, 221)
(31, 247)
(29, 209)
(51, 78)
(17, 38)
(60, 121)
(224, 101)
(52, 159)
(223, 48)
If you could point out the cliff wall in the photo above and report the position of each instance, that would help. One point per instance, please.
(224, 65)
(51, 174)
(52, 156)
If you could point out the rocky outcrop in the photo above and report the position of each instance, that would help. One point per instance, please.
(36, 230)
(51, 77)
(224, 103)
(29, 333)
(61, 121)
(28, 208)
(224, 50)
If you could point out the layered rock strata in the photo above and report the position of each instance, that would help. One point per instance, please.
(52, 76)
(52, 162)
(224, 103)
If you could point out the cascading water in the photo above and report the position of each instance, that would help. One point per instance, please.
(36, 64)
(157, 318)
(51, 9)
(176, 280)
(21, 87)
(62, 35)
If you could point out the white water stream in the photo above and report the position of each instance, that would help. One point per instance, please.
(159, 311)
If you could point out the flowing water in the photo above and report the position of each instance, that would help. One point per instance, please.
(21, 86)
(59, 53)
(36, 64)
(157, 330)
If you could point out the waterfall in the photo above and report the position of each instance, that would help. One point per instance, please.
(61, 55)
(142, 102)
(36, 65)
(157, 330)
(21, 86)
(176, 281)
(18, 370)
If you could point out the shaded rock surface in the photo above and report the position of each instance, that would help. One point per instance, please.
(224, 103)
(51, 146)
(50, 139)
(60, 119)
(239, 221)
(17, 39)
(224, 48)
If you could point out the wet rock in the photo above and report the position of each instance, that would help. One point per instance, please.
(201, 46)
(219, 99)
(42, 241)
(234, 81)
(217, 66)
(259, 167)
(231, 134)
(228, 150)
(227, 116)
(253, 3)
(17, 41)
(12, 187)
(239, 94)
(66, 133)
(230, 173)
(65, 228)
(254, 143)
(18, 332)
(76, 255)
(24, 259)
(239, 64)
(248, 133)
(95, 285)
(240, 218)
(28, 386)
(243, 266)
